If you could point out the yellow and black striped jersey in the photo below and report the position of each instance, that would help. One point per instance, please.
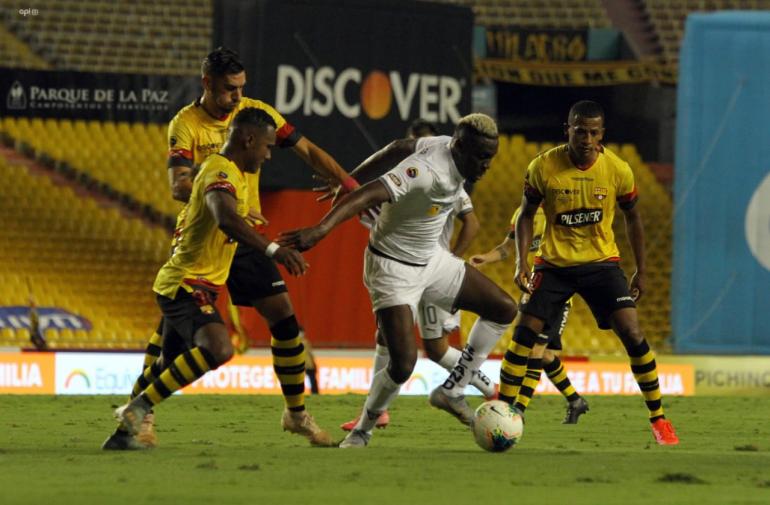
(193, 135)
(579, 205)
(202, 253)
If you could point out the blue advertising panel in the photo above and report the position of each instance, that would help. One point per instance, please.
(721, 269)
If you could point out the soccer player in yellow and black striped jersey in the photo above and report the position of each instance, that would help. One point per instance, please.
(552, 365)
(579, 184)
(198, 130)
(195, 340)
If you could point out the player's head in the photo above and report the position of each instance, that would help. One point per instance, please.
(223, 78)
(421, 128)
(252, 135)
(474, 144)
(585, 130)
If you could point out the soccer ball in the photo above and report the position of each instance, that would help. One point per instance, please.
(497, 426)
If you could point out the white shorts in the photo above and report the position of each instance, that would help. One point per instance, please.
(434, 321)
(391, 283)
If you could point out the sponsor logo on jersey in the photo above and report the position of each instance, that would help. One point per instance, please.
(412, 172)
(580, 217)
(582, 179)
(600, 193)
(172, 141)
(564, 191)
(396, 179)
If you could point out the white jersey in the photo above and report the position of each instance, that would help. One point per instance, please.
(462, 206)
(423, 191)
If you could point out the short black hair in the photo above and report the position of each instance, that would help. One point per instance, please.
(421, 128)
(252, 116)
(585, 108)
(220, 62)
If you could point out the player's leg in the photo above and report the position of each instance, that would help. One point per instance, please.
(255, 281)
(522, 364)
(458, 287)
(200, 343)
(380, 362)
(607, 294)
(396, 325)
(151, 368)
(311, 368)
(436, 325)
(395, 290)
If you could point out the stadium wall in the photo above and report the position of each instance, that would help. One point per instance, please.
(721, 268)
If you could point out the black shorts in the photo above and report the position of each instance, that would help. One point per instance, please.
(603, 286)
(253, 276)
(554, 327)
(185, 315)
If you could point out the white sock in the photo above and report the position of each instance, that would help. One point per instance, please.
(381, 358)
(479, 380)
(482, 339)
(383, 391)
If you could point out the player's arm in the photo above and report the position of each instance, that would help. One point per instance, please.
(323, 163)
(501, 252)
(635, 231)
(383, 160)
(222, 206)
(367, 196)
(469, 228)
(523, 238)
(181, 165)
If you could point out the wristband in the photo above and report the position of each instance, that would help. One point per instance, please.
(349, 184)
(271, 248)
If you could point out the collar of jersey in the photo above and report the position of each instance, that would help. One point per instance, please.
(199, 103)
(452, 167)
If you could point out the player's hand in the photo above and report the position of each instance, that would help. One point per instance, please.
(479, 259)
(291, 259)
(523, 278)
(637, 285)
(301, 239)
(256, 217)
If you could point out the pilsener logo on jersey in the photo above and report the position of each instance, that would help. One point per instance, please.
(580, 217)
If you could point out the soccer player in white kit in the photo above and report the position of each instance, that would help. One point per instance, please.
(404, 264)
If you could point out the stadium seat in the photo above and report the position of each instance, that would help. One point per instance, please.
(66, 263)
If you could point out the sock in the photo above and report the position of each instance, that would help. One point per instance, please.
(147, 377)
(381, 358)
(646, 374)
(289, 362)
(558, 375)
(312, 376)
(529, 383)
(479, 380)
(186, 368)
(382, 392)
(514, 365)
(154, 346)
(482, 338)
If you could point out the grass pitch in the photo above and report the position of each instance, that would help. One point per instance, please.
(231, 450)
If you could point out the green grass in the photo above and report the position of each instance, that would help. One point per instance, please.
(229, 450)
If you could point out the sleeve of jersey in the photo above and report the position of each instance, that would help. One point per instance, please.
(286, 134)
(218, 179)
(406, 177)
(533, 189)
(627, 192)
(180, 144)
(464, 205)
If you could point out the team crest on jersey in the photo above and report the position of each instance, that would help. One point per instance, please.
(434, 209)
(396, 179)
(600, 193)
(412, 172)
(222, 175)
